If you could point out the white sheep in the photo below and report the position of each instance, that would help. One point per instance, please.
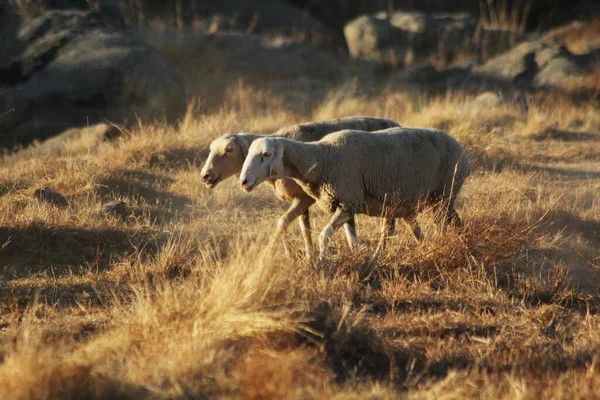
(393, 173)
(228, 152)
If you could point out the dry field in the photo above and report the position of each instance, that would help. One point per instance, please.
(191, 297)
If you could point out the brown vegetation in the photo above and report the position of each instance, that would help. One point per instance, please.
(190, 297)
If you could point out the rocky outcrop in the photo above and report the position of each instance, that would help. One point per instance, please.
(425, 77)
(73, 140)
(246, 55)
(260, 16)
(536, 64)
(256, 16)
(402, 37)
(73, 68)
(490, 101)
(336, 13)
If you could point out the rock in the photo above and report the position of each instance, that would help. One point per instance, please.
(118, 208)
(336, 13)
(400, 35)
(63, 143)
(421, 72)
(483, 102)
(424, 76)
(561, 34)
(245, 55)
(559, 68)
(535, 64)
(73, 68)
(51, 197)
(515, 66)
(494, 100)
(274, 17)
(259, 16)
(541, 13)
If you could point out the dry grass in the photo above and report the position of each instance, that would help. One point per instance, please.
(190, 297)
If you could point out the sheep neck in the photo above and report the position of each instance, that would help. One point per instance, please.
(301, 160)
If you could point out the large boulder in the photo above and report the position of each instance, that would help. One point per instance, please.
(425, 77)
(402, 37)
(533, 15)
(75, 140)
(73, 68)
(536, 64)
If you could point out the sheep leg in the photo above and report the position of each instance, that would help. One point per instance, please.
(339, 218)
(306, 233)
(298, 207)
(447, 215)
(350, 230)
(453, 218)
(415, 227)
(388, 229)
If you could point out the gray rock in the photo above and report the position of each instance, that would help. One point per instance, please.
(118, 208)
(80, 67)
(483, 102)
(558, 68)
(60, 144)
(404, 35)
(256, 16)
(516, 65)
(494, 100)
(49, 196)
(336, 13)
(534, 64)
(424, 76)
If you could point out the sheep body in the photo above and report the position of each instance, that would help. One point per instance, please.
(228, 152)
(288, 189)
(391, 172)
(402, 167)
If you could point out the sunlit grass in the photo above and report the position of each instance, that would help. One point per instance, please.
(190, 296)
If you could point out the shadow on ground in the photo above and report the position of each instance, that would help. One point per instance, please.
(147, 188)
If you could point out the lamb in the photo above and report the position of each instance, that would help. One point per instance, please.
(391, 173)
(228, 152)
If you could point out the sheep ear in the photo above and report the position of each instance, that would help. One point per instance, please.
(276, 164)
(242, 144)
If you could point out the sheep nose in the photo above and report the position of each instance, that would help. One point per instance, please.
(206, 177)
(244, 182)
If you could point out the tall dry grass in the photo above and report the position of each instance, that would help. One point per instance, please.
(190, 296)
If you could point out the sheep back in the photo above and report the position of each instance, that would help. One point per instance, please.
(287, 189)
(314, 131)
(401, 167)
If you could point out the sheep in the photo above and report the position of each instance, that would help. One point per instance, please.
(391, 173)
(228, 152)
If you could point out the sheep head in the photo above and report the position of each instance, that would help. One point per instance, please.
(264, 161)
(226, 157)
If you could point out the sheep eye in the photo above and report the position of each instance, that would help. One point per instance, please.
(228, 149)
(266, 154)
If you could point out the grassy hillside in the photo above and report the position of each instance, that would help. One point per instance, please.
(190, 296)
